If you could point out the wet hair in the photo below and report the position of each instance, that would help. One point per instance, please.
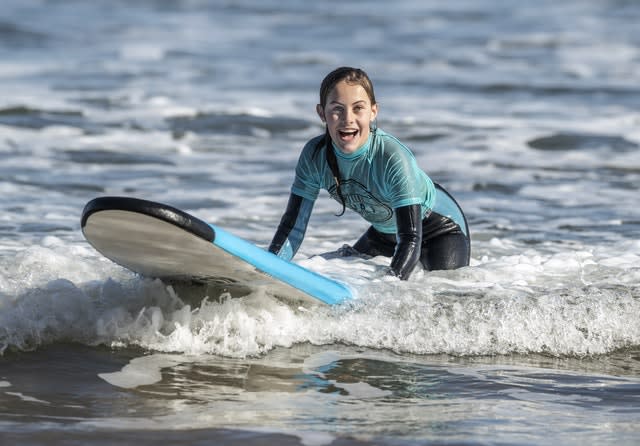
(352, 76)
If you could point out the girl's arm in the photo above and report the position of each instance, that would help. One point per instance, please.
(292, 228)
(407, 253)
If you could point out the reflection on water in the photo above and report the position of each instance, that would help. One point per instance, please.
(346, 391)
(395, 392)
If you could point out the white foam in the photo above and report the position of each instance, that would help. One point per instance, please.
(142, 52)
(141, 371)
(27, 398)
(557, 303)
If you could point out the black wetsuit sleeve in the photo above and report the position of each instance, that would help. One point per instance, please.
(292, 228)
(409, 237)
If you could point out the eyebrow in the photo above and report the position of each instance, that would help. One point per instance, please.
(340, 103)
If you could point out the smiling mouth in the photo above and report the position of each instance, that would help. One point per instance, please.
(347, 134)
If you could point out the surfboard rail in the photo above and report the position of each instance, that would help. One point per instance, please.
(161, 211)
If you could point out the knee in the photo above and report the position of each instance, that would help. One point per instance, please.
(374, 244)
(448, 254)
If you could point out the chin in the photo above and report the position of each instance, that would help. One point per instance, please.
(349, 148)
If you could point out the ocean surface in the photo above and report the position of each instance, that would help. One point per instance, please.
(528, 112)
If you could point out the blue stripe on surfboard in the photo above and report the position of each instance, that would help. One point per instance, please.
(316, 285)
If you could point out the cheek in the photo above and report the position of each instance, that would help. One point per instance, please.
(332, 119)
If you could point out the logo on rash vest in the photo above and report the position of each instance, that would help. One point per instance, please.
(359, 199)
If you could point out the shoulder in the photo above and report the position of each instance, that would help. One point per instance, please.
(389, 144)
(313, 147)
(312, 158)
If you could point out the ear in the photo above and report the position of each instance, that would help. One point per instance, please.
(320, 112)
(374, 111)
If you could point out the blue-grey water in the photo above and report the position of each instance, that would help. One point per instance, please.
(528, 112)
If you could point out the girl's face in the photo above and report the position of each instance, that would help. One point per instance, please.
(348, 114)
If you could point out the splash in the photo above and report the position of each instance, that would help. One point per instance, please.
(566, 303)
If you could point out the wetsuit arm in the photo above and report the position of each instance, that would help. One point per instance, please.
(409, 240)
(292, 228)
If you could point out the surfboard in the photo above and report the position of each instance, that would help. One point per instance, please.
(160, 241)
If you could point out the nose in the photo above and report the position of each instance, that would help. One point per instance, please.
(348, 116)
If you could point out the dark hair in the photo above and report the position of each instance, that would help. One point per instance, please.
(353, 76)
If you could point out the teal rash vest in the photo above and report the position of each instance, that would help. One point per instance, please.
(379, 177)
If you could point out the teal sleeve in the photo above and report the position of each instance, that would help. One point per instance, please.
(309, 174)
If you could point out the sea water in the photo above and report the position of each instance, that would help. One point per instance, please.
(528, 113)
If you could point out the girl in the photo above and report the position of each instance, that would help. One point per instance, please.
(371, 172)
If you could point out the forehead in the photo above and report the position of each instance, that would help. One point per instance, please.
(345, 92)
